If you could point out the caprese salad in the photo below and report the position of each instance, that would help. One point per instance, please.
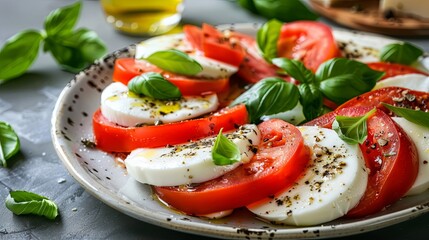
(300, 125)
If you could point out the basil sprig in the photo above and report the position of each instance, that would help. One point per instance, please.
(416, 116)
(175, 61)
(403, 53)
(268, 96)
(23, 202)
(353, 130)
(9, 143)
(338, 79)
(225, 151)
(267, 38)
(154, 85)
(72, 49)
(283, 10)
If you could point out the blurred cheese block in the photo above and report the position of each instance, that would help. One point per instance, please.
(418, 8)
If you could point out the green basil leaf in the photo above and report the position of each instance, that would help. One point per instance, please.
(175, 61)
(311, 100)
(284, 10)
(18, 53)
(295, 69)
(75, 50)
(268, 96)
(353, 130)
(154, 85)
(403, 53)
(62, 20)
(345, 79)
(23, 202)
(9, 143)
(225, 151)
(339, 88)
(267, 38)
(416, 116)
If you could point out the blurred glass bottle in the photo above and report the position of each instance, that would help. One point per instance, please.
(143, 17)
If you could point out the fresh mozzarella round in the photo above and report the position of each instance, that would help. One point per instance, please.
(211, 68)
(412, 81)
(420, 137)
(129, 109)
(188, 163)
(294, 116)
(332, 184)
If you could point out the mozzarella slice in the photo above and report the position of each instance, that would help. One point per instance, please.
(211, 68)
(420, 137)
(188, 163)
(332, 184)
(413, 81)
(129, 109)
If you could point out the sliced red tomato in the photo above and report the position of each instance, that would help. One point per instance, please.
(110, 137)
(215, 44)
(309, 41)
(394, 69)
(127, 68)
(390, 156)
(396, 96)
(280, 160)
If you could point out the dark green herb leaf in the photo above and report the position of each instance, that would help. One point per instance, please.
(284, 10)
(224, 151)
(353, 130)
(23, 202)
(175, 61)
(62, 20)
(249, 5)
(268, 96)
(18, 53)
(267, 38)
(295, 69)
(311, 100)
(154, 85)
(404, 53)
(75, 50)
(345, 79)
(416, 116)
(9, 143)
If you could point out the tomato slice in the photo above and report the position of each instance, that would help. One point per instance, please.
(110, 137)
(309, 41)
(220, 47)
(390, 155)
(194, 35)
(280, 160)
(396, 96)
(127, 68)
(394, 69)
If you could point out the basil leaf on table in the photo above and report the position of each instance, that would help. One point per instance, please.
(268, 96)
(403, 53)
(267, 37)
(18, 53)
(9, 143)
(23, 202)
(75, 50)
(175, 61)
(353, 130)
(283, 10)
(154, 85)
(416, 116)
(62, 20)
(225, 151)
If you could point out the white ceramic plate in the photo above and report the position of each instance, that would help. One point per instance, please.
(100, 175)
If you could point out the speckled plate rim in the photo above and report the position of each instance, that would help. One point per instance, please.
(101, 192)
